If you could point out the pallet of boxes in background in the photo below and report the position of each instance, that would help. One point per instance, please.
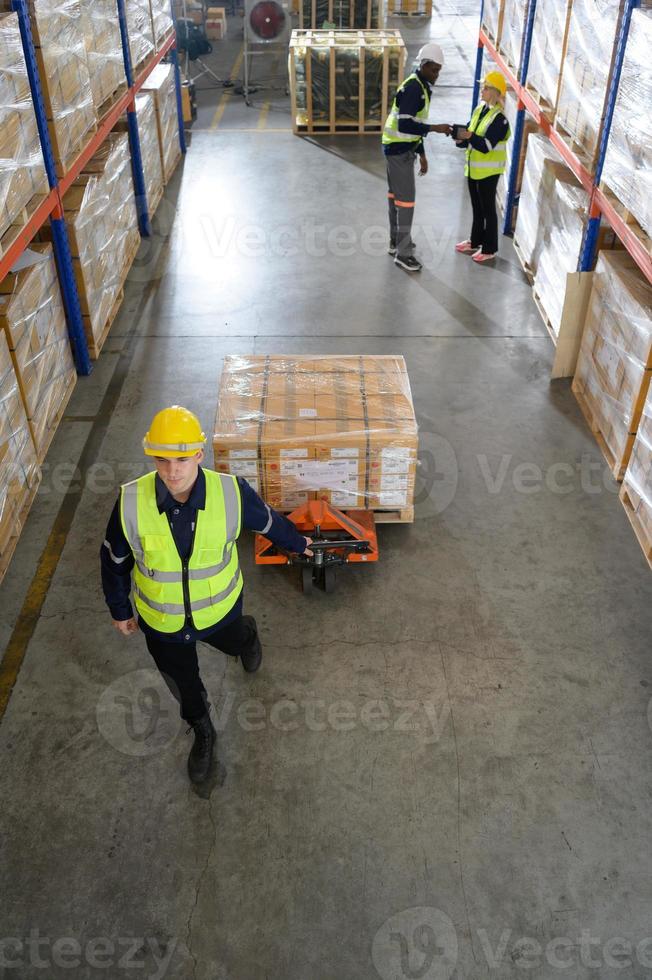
(149, 148)
(20, 474)
(344, 14)
(343, 81)
(161, 84)
(23, 181)
(529, 127)
(162, 23)
(511, 35)
(34, 324)
(549, 42)
(636, 491)
(492, 19)
(140, 31)
(409, 8)
(101, 33)
(340, 429)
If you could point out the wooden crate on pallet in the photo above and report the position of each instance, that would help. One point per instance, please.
(161, 84)
(636, 491)
(344, 81)
(344, 14)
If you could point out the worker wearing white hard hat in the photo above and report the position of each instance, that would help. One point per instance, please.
(403, 140)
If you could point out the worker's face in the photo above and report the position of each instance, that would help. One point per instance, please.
(430, 71)
(179, 474)
(490, 95)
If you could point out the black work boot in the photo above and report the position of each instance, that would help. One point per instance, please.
(252, 658)
(201, 754)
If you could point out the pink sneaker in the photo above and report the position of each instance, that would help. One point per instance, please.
(481, 257)
(465, 247)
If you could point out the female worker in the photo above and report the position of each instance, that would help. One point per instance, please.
(485, 142)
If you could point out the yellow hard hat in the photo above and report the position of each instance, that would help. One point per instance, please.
(495, 80)
(174, 432)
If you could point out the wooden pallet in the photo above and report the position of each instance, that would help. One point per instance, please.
(54, 424)
(631, 501)
(627, 217)
(12, 231)
(7, 555)
(617, 465)
(575, 145)
(95, 346)
(527, 269)
(546, 109)
(111, 100)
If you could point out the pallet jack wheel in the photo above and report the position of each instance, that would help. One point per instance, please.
(329, 579)
(306, 579)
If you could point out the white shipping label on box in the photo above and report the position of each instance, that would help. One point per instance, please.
(243, 454)
(394, 482)
(392, 499)
(254, 485)
(293, 453)
(344, 499)
(307, 413)
(345, 453)
(396, 459)
(245, 468)
(317, 474)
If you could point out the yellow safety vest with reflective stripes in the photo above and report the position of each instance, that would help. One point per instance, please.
(391, 132)
(210, 581)
(479, 165)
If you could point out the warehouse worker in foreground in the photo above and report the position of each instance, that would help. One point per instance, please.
(485, 142)
(403, 139)
(176, 528)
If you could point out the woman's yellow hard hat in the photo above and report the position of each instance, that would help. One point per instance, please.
(495, 80)
(174, 432)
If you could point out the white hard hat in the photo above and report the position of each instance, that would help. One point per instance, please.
(431, 52)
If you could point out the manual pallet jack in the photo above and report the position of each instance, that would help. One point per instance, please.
(338, 538)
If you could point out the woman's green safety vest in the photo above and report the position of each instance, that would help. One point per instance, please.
(391, 132)
(210, 579)
(479, 165)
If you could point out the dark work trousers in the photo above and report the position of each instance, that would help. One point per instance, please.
(400, 198)
(179, 666)
(484, 233)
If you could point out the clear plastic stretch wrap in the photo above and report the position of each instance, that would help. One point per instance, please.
(161, 84)
(586, 70)
(103, 49)
(615, 361)
(22, 171)
(361, 14)
(529, 127)
(150, 149)
(102, 226)
(19, 470)
(492, 17)
(511, 36)
(562, 220)
(338, 428)
(546, 52)
(637, 483)
(140, 31)
(162, 23)
(65, 80)
(628, 164)
(542, 162)
(31, 313)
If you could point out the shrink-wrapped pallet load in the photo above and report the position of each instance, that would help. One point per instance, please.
(615, 361)
(34, 324)
(140, 31)
(162, 23)
(161, 84)
(22, 171)
(422, 8)
(529, 127)
(149, 148)
(542, 163)
(511, 37)
(492, 18)
(106, 67)
(636, 491)
(547, 51)
(341, 429)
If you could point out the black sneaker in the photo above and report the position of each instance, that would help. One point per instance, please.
(201, 753)
(409, 263)
(252, 658)
(391, 250)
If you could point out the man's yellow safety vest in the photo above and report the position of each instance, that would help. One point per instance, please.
(210, 579)
(479, 165)
(391, 132)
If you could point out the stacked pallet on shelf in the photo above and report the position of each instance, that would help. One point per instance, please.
(410, 8)
(492, 19)
(511, 35)
(65, 80)
(149, 148)
(636, 491)
(216, 23)
(161, 84)
(101, 32)
(34, 324)
(20, 474)
(585, 74)
(140, 31)
(341, 429)
(627, 172)
(102, 226)
(162, 23)
(529, 127)
(343, 81)
(23, 181)
(614, 366)
(360, 14)
(542, 164)
(549, 40)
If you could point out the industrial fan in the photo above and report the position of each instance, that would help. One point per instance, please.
(267, 23)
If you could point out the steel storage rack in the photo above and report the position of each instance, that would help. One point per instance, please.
(52, 206)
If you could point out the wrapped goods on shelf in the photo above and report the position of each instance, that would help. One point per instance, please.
(34, 324)
(343, 81)
(546, 54)
(102, 225)
(341, 429)
(511, 36)
(360, 14)
(585, 72)
(19, 469)
(22, 171)
(149, 148)
(615, 361)
(162, 24)
(529, 127)
(58, 35)
(628, 164)
(140, 31)
(106, 67)
(161, 84)
(492, 18)
(542, 162)
(636, 491)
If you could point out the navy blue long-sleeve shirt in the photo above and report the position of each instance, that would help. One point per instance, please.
(409, 102)
(117, 560)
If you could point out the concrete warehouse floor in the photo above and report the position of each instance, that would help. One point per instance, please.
(443, 770)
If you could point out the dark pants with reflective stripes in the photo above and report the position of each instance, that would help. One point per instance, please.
(401, 189)
(179, 665)
(484, 233)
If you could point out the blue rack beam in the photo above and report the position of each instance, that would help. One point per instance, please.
(517, 138)
(140, 189)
